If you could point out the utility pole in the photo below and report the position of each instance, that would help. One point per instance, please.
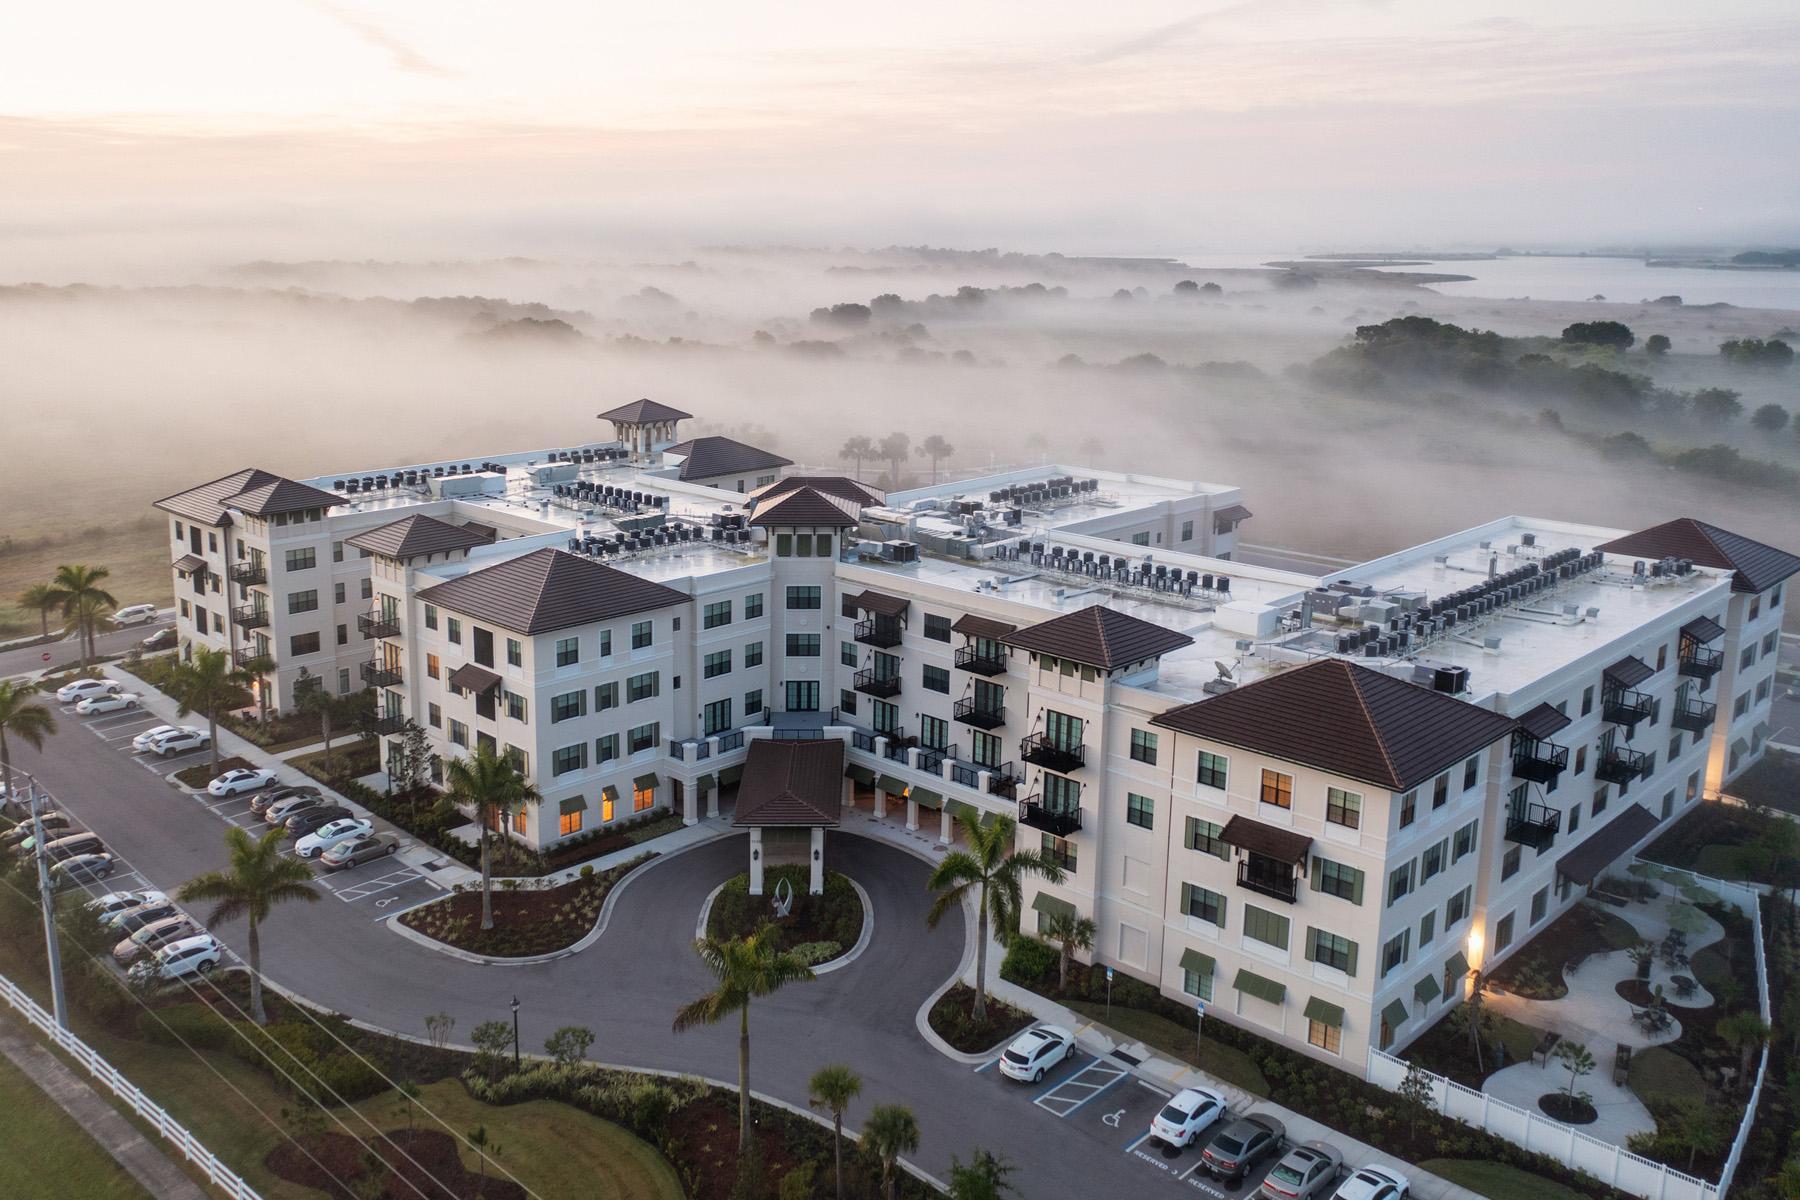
(47, 897)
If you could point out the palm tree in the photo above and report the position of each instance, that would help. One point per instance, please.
(85, 616)
(255, 667)
(890, 1131)
(857, 449)
(40, 598)
(77, 588)
(311, 697)
(1747, 1031)
(746, 968)
(1071, 932)
(834, 1088)
(489, 785)
(894, 448)
(935, 448)
(24, 718)
(990, 866)
(207, 684)
(260, 877)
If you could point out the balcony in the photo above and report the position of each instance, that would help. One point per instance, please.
(389, 723)
(1268, 877)
(733, 740)
(1540, 762)
(965, 774)
(862, 739)
(1058, 821)
(930, 761)
(871, 684)
(1695, 716)
(976, 662)
(249, 571)
(883, 632)
(249, 616)
(897, 746)
(243, 656)
(1002, 782)
(1699, 662)
(376, 673)
(1041, 750)
(1620, 766)
(1533, 825)
(379, 624)
(971, 712)
(1620, 707)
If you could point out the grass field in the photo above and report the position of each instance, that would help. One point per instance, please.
(1497, 1181)
(39, 1134)
(1177, 1041)
(1661, 1075)
(134, 551)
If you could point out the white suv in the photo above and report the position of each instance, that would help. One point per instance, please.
(135, 614)
(181, 741)
(198, 954)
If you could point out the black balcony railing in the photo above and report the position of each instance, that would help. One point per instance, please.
(1042, 750)
(1695, 716)
(1621, 707)
(243, 656)
(1700, 662)
(1540, 762)
(931, 760)
(897, 746)
(978, 662)
(872, 683)
(862, 739)
(1003, 783)
(1620, 766)
(249, 616)
(878, 631)
(1268, 877)
(1057, 820)
(376, 673)
(379, 624)
(1533, 825)
(249, 571)
(389, 723)
(966, 774)
(981, 716)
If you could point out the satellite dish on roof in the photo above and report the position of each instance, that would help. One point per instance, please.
(1224, 669)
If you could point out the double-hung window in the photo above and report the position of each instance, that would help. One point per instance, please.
(803, 597)
(1343, 808)
(1205, 836)
(1212, 770)
(564, 759)
(1337, 879)
(1140, 811)
(567, 706)
(1203, 904)
(568, 651)
(642, 737)
(716, 664)
(642, 687)
(642, 635)
(715, 615)
(1143, 746)
(1277, 789)
(803, 645)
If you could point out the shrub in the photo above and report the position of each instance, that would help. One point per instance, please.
(1028, 961)
(194, 1024)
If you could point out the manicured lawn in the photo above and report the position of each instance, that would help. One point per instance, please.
(1662, 1076)
(1177, 1041)
(1497, 1181)
(41, 1135)
(351, 758)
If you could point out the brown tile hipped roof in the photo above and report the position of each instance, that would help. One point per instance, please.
(1629, 671)
(804, 507)
(1098, 636)
(791, 783)
(706, 457)
(982, 627)
(1755, 567)
(252, 490)
(1585, 862)
(472, 678)
(883, 604)
(643, 412)
(281, 496)
(549, 589)
(1270, 840)
(1544, 721)
(841, 486)
(1346, 719)
(410, 537)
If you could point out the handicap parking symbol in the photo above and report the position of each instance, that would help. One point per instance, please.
(1112, 1119)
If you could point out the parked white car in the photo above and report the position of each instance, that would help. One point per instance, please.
(242, 779)
(110, 702)
(1035, 1051)
(1374, 1183)
(118, 902)
(147, 739)
(329, 835)
(198, 954)
(1189, 1113)
(181, 741)
(82, 689)
(135, 614)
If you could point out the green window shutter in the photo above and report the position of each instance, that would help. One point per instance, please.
(1220, 850)
(1350, 967)
(1187, 896)
(1356, 886)
(1318, 872)
(1312, 941)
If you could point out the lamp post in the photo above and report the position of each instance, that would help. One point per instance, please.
(515, 1008)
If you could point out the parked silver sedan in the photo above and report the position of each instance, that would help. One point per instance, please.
(1307, 1170)
(358, 850)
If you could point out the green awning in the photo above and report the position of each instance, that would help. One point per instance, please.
(1198, 963)
(703, 784)
(1427, 990)
(573, 804)
(860, 774)
(1050, 906)
(731, 775)
(960, 807)
(1457, 965)
(609, 792)
(1261, 988)
(1324, 1013)
(1395, 1015)
(646, 781)
(924, 797)
(891, 785)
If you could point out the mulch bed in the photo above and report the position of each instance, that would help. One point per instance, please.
(951, 1020)
(1643, 994)
(706, 1131)
(527, 922)
(1535, 970)
(1570, 1110)
(421, 1165)
(834, 917)
(204, 773)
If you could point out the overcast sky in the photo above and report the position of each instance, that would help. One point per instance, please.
(1129, 126)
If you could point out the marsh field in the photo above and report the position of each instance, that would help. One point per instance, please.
(116, 394)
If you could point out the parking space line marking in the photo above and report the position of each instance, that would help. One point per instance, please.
(1120, 1078)
(1140, 1141)
(989, 1063)
(1189, 1171)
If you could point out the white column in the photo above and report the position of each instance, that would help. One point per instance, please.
(880, 803)
(817, 886)
(756, 862)
(712, 800)
(912, 813)
(944, 825)
(690, 804)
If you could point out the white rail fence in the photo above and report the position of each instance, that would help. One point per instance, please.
(172, 1130)
(1611, 1164)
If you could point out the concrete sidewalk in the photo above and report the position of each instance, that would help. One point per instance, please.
(144, 1162)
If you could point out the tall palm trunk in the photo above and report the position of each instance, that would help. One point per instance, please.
(256, 997)
(487, 882)
(744, 1078)
(837, 1147)
(981, 941)
(212, 733)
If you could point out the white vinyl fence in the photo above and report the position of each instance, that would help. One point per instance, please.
(190, 1146)
(1609, 1163)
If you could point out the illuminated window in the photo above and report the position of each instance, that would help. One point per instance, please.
(570, 823)
(518, 821)
(1277, 789)
(431, 665)
(642, 798)
(606, 808)
(1325, 1037)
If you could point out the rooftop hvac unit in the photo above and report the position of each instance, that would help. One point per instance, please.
(1528, 539)
(900, 552)
(1371, 649)
(1450, 680)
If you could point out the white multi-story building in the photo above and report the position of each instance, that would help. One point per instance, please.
(1311, 803)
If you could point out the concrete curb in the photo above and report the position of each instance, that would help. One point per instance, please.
(922, 1018)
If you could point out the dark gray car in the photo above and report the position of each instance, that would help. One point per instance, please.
(1241, 1145)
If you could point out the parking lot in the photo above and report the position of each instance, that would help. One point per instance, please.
(385, 886)
(1109, 1110)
